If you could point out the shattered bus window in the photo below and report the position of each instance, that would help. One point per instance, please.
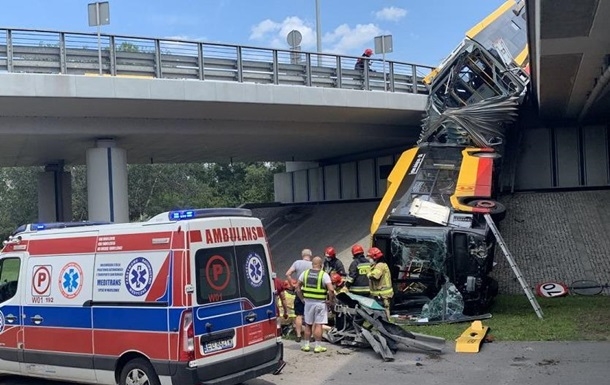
(417, 261)
(447, 305)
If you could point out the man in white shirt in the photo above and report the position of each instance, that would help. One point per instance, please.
(298, 267)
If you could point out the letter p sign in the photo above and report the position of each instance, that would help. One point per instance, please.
(217, 270)
(41, 281)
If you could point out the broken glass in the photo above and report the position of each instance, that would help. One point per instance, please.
(447, 305)
(418, 256)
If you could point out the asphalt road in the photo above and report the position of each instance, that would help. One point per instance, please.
(540, 363)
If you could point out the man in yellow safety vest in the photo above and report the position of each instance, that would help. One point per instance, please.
(314, 288)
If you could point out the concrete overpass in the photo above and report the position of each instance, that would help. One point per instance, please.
(183, 101)
(154, 100)
(570, 58)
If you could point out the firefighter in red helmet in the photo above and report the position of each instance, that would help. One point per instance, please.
(357, 280)
(380, 279)
(360, 63)
(331, 263)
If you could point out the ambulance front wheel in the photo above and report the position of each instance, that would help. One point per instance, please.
(139, 372)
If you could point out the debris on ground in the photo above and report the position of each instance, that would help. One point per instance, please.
(362, 322)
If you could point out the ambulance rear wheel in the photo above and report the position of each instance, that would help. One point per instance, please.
(139, 372)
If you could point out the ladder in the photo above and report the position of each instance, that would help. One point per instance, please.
(513, 265)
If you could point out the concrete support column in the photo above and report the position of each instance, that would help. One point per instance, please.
(54, 194)
(107, 182)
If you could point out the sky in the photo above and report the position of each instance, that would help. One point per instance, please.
(423, 31)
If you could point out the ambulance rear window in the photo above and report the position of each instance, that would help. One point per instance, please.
(216, 277)
(254, 273)
(225, 273)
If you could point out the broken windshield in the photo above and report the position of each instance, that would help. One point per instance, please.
(418, 259)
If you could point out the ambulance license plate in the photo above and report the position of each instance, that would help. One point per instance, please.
(217, 345)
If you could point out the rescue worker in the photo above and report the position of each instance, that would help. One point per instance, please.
(357, 281)
(299, 267)
(380, 280)
(331, 263)
(280, 289)
(337, 281)
(314, 288)
(339, 284)
(360, 63)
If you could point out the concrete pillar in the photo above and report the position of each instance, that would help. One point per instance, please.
(107, 182)
(54, 194)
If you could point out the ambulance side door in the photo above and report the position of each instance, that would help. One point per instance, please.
(13, 282)
(57, 326)
(259, 313)
(216, 301)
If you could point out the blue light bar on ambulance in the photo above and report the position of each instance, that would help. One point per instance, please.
(180, 215)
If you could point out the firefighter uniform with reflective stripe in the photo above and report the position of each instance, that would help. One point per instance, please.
(381, 284)
(313, 286)
(357, 279)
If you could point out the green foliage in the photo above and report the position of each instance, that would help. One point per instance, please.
(572, 318)
(127, 47)
(18, 197)
(152, 189)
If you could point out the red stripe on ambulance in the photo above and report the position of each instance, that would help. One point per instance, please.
(195, 236)
(134, 242)
(115, 343)
(68, 340)
(160, 285)
(54, 246)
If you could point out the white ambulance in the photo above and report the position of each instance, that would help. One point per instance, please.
(185, 298)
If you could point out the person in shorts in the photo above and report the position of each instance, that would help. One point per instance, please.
(316, 290)
(298, 267)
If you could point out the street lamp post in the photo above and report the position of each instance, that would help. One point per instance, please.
(318, 31)
(99, 14)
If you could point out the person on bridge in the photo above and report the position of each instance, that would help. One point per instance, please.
(357, 280)
(360, 63)
(380, 280)
(298, 267)
(316, 290)
(331, 263)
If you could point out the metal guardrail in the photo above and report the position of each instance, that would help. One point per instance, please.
(52, 52)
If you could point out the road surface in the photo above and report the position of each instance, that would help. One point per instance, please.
(498, 363)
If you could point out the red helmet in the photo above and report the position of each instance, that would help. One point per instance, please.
(336, 279)
(357, 249)
(368, 52)
(330, 252)
(374, 253)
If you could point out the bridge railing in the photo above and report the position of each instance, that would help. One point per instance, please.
(51, 52)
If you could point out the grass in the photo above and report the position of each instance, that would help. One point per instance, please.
(571, 318)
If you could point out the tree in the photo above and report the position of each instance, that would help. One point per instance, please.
(18, 197)
(152, 189)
